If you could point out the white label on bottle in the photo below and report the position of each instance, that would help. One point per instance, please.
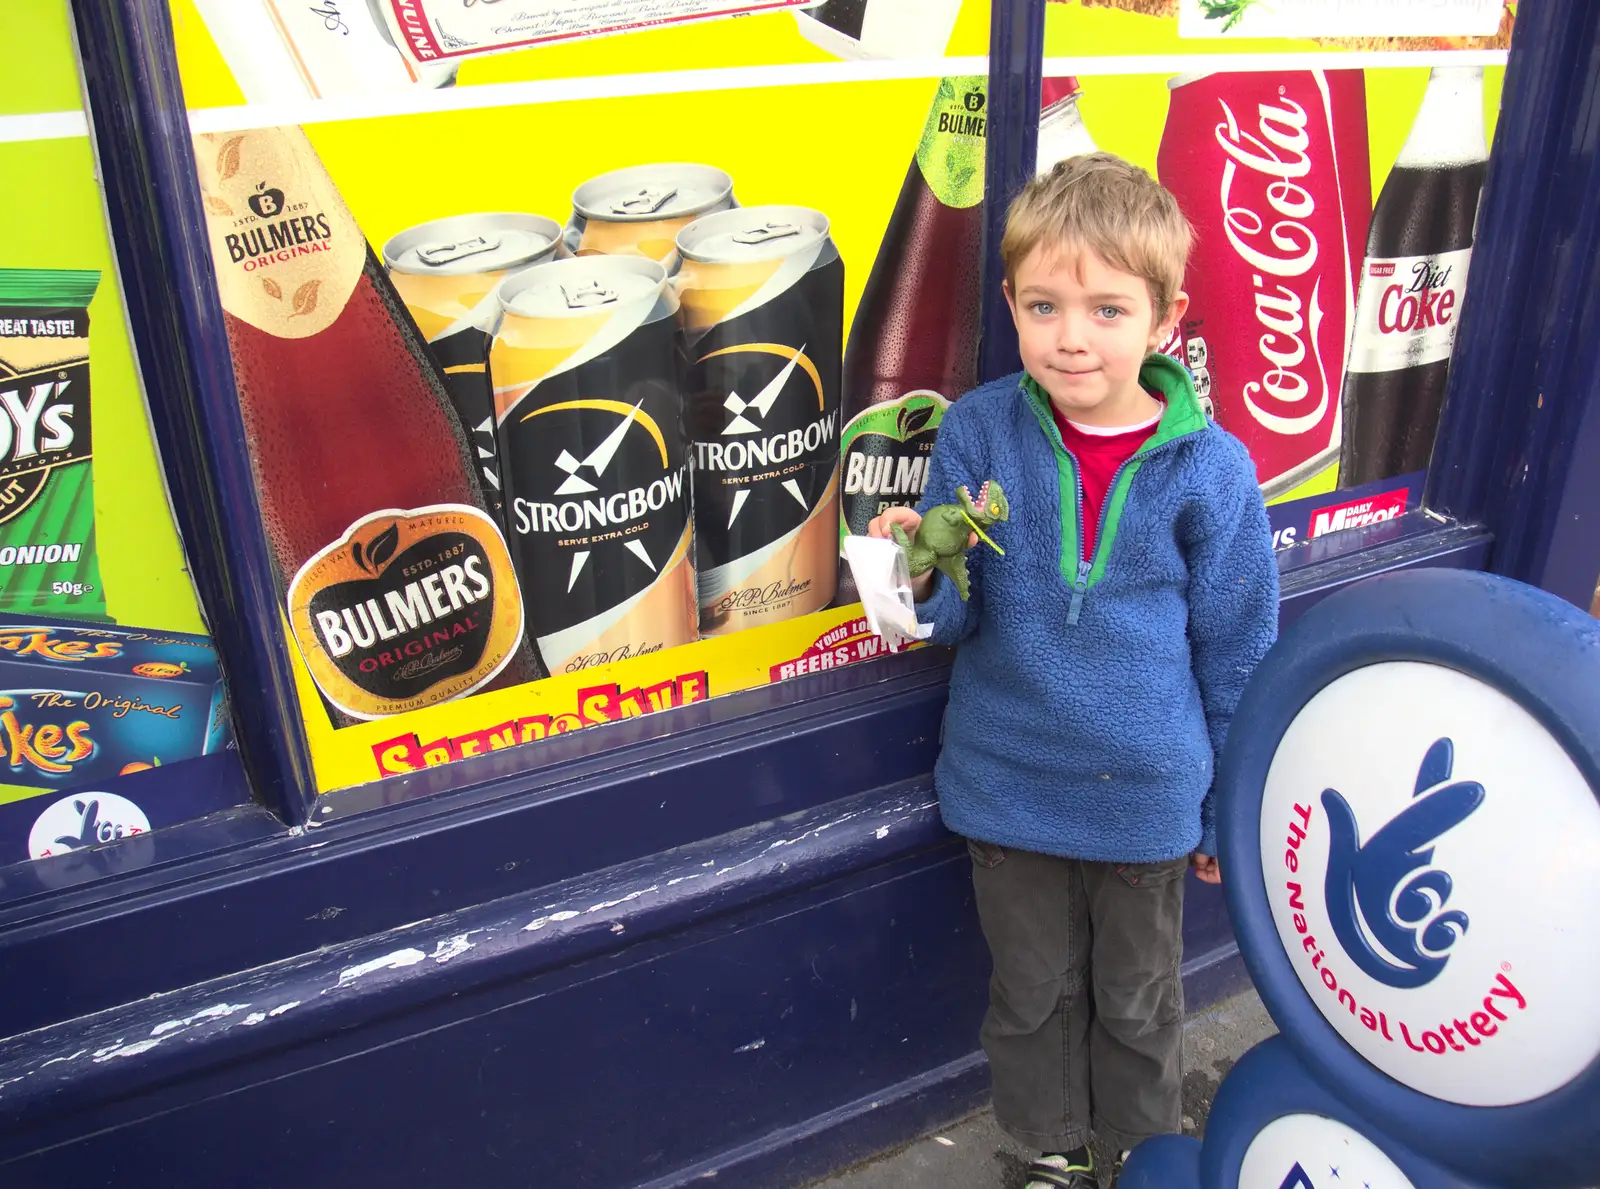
(1408, 309)
(288, 253)
(338, 48)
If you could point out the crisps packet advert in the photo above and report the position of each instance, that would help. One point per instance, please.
(47, 531)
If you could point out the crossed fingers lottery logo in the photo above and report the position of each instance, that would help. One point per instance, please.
(1385, 898)
(1429, 851)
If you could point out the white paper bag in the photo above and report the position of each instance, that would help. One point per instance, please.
(884, 586)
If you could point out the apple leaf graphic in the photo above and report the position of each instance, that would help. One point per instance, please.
(305, 298)
(381, 548)
(913, 421)
(228, 159)
(272, 287)
(216, 206)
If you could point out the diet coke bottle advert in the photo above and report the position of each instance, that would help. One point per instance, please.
(1412, 283)
(1271, 169)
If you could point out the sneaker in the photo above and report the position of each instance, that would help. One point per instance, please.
(1116, 1167)
(1054, 1171)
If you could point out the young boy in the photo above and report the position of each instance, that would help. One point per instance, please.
(1098, 662)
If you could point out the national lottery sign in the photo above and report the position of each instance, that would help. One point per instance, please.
(1409, 826)
(1432, 859)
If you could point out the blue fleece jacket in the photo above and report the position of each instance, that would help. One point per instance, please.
(1089, 702)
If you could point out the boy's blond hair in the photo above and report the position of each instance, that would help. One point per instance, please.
(1102, 204)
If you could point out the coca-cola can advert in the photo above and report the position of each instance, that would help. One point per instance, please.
(1271, 169)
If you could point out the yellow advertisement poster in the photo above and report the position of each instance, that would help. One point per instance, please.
(550, 335)
(570, 345)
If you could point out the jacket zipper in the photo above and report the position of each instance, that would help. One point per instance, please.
(1085, 568)
(1081, 587)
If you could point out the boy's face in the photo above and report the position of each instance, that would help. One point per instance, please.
(1083, 329)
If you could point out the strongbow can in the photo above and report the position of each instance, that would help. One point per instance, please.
(586, 367)
(763, 307)
(1271, 168)
(446, 272)
(639, 211)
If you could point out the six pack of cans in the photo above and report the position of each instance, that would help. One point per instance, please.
(651, 394)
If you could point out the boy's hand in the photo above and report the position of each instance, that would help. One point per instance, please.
(908, 519)
(1205, 868)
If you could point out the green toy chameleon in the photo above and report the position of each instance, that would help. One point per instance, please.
(941, 540)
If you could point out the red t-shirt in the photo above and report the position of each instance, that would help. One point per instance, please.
(1099, 453)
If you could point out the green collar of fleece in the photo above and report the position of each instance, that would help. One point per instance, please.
(1160, 374)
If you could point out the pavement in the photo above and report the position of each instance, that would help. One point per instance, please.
(973, 1153)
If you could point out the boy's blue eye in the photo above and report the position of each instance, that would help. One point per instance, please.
(1043, 308)
(1110, 313)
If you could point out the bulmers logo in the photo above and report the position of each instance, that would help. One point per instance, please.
(1423, 845)
(266, 201)
(1385, 899)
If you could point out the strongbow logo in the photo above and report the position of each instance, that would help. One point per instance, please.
(1386, 901)
(598, 459)
(791, 446)
(768, 396)
(593, 505)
